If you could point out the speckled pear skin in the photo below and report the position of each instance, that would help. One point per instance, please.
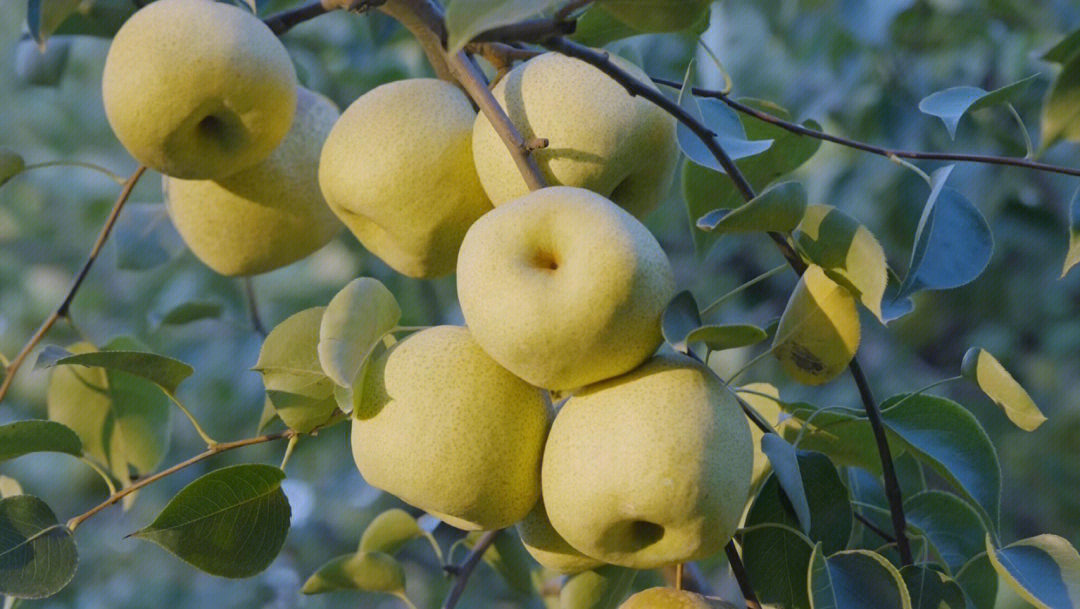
(649, 469)
(599, 137)
(266, 216)
(563, 287)
(198, 89)
(397, 169)
(446, 429)
(667, 598)
(819, 331)
(548, 548)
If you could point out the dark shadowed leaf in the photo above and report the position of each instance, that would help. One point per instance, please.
(467, 18)
(785, 466)
(230, 522)
(11, 163)
(1043, 570)
(979, 581)
(597, 27)
(930, 589)
(1073, 255)
(951, 524)
(998, 385)
(83, 17)
(37, 553)
(951, 104)
(855, 579)
(603, 588)
(724, 123)
(189, 312)
(780, 208)
(1062, 106)
(681, 317)
(1064, 50)
(24, 437)
(364, 571)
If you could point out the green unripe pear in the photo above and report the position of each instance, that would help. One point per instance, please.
(818, 333)
(669, 598)
(446, 429)
(563, 288)
(549, 549)
(599, 136)
(657, 15)
(397, 169)
(651, 468)
(198, 89)
(269, 215)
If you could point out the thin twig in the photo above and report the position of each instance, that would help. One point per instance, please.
(206, 454)
(739, 571)
(866, 522)
(871, 148)
(284, 21)
(465, 569)
(62, 310)
(253, 307)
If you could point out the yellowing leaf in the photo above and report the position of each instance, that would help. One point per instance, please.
(819, 330)
(998, 385)
(1043, 570)
(1073, 255)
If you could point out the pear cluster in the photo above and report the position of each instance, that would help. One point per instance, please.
(646, 462)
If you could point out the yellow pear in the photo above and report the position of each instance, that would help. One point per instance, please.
(765, 399)
(657, 15)
(651, 468)
(818, 333)
(198, 89)
(669, 598)
(549, 549)
(446, 429)
(599, 136)
(563, 288)
(266, 216)
(397, 169)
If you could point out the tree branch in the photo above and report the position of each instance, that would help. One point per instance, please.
(871, 148)
(284, 21)
(62, 310)
(866, 522)
(424, 19)
(465, 569)
(739, 571)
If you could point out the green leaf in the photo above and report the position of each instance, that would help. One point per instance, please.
(389, 531)
(1064, 50)
(189, 312)
(465, 19)
(728, 131)
(364, 571)
(680, 318)
(1061, 110)
(1071, 257)
(980, 582)
(44, 16)
(597, 27)
(847, 252)
(24, 437)
(780, 209)
(855, 579)
(165, 372)
(602, 588)
(9, 487)
(1043, 570)
(11, 163)
(948, 438)
(353, 323)
(842, 433)
(653, 16)
(508, 557)
(998, 385)
(83, 17)
(37, 554)
(289, 363)
(950, 523)
(785, 466)
(951, 104)
(231, 522)
(727, 336)
(930, 589)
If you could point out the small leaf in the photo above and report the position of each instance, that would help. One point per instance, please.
(847, 252)
(1064, 50)
(951, 524)
(1073, 255)
(355, 320)
(998, 385)
(948, 438)
(289, 363)
(189, 312)
(780, 208)
(24, 437)
(979, 581)
(231, 522)
(728, 336)
(465, 19)
(389, 531)
(855, 579)
(11, 163)
(930, 589)
(1061, 110)
(165, 372)
(728, 131)
(785, 467)
(144, 237)
(37, 554)
(364, 571)
(1043, 570)
(953, 242)
(44, 16)
(681, 317)
(597, 27)
(951, 104)
(602, 588)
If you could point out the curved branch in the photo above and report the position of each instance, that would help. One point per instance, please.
(285, 20)
(62, 309)
(871, 148)
(464, 571)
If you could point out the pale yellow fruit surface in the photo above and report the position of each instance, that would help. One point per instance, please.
(667, 598)
(768, 406)
(818, 333)
(198, 89)
(563, 287)
(397, 169)
(266, 216)
(657, 15)
(599, 137)
(446, 429)
(549, 549)
(651, 468)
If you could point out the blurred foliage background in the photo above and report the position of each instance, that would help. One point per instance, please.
(857, 66)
